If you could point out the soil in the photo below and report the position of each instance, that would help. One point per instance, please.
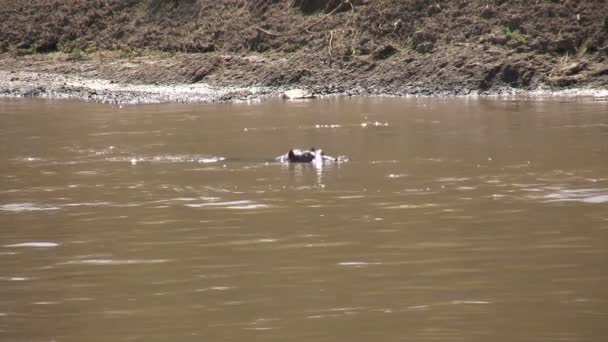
(419, 47)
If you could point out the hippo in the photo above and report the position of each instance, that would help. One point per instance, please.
(312, 155)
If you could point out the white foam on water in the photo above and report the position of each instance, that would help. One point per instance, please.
(115, 261)
(374, 124)
(28, 159)
(20, 207)
(574, 92)
(216, 288)
(357, 263)
(313, 245)
(34, 244)
(18, 279)
(454, 179)
(596, 199)
(218, 204)
(591, 196)
(267, 240)
(241, 242)
(79, 299)
(413, 206)
(418, 307)
(327, 126)
(466, 188)
(248, 206)
(86, 173)
(211, 160)
(241, 204)
(87, 204)
(15, 278)
(169, 159)
(470, 302)
(345, 309)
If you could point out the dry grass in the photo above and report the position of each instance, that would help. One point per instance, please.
(229, 26)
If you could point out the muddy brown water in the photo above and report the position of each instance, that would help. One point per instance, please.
(455, 220)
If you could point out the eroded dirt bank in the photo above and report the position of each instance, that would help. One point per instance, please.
(236, 49)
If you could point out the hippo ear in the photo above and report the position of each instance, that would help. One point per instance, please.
(312, 149)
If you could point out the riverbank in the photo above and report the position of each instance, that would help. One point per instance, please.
(141, 51)
(110, 77)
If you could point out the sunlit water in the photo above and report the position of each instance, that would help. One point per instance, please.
(455, 220)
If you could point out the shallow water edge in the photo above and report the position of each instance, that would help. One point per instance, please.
(64, 86)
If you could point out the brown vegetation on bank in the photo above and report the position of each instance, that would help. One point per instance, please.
(396, 46)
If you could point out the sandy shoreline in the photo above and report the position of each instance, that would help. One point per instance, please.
(58, 86)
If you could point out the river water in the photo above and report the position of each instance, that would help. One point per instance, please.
(455, 220)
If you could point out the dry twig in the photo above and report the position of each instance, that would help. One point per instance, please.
(331, 37)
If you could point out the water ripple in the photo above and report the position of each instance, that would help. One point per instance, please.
(169, 159)
(19, 207)
(115, 261)
(34, 244)
(592, 196)
(241, 204)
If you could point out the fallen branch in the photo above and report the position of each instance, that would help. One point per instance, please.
(327, 15)
(270, 33)
(331, 37)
